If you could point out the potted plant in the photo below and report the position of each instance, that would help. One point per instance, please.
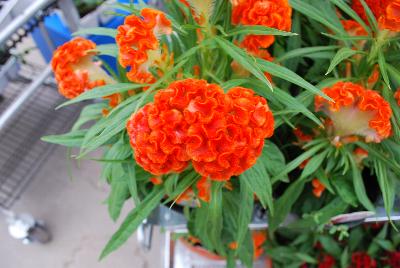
(221, 105)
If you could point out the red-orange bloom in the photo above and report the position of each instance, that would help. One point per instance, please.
(236, 138)
(387, 12)
(74, 68)
(271, 13)
(259, 238)
(137, 40)
(318, 188)
(204, 188)
(354, 28)
(223, 134)
(397, 96)
(368, 112)
(156, 135)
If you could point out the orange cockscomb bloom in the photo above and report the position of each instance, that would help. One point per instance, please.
(386, 12)
(270, 13)
(232, 143)
(318, 188)
(397, 96)
(222, 134)
(138, 44)
(156, 135)
(368, 112)
(75, 70)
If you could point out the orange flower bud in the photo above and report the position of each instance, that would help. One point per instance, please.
(319, 188)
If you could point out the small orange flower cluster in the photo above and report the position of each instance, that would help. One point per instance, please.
(270, 13)
(70, 62)
(318, 188)
(191, 120)
(204, 192)
(387, 12)
(138, 44)
(397, 96)
(259, 238)
(368, 112)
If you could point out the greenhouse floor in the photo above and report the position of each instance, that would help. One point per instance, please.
(73, 210)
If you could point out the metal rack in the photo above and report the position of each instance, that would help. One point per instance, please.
(27, 111)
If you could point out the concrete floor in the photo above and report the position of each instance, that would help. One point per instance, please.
(77, 219)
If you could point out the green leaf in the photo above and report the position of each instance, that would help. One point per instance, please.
(345, 190)
(359, 186)
(258, 30)
(342, 54)
(71, 139)
(330, 245)
(387, 186)
(349, 11)
(132, 183)
(118, 195)
(96, 31)
(297, 161)
(371, 17)
(303, 52)
(245, 212)
(102, 91)
(288, 75)
(314, 163)
(314, 13)
(258, 181)
(273, 159)
(89, 113)
(133, 220)
(284, 204)
(107, 50)
(215, 221)
(383, 68)
(248, 62)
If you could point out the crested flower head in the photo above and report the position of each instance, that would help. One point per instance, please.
(222, 134)
(137, 40)
(156, 135)
(236, 138)
(259, 238)
(74, 68)
(386, 12)
(271, 13)
(368, 112)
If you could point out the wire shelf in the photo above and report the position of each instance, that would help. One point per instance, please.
(21, 151)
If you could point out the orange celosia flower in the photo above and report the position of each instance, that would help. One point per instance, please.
(391, 19)
(259, 238)
(271, 13)
(156, 180)
(156, 137)
(75, 69)
(354, 28)
(232, 142)
(204, 188)
(319, 188)
(356, 111)
(360, 154)
(387, 12)
(259, 53)
(138, 44)
(301, 136)
(397, 96)
(223, 134)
